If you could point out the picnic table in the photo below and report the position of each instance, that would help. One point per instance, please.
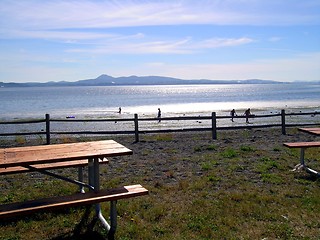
(303, 146)
(44, 157)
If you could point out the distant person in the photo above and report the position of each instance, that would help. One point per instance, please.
(233, 113)
(247, 113)
(159, 114)
(119, 110)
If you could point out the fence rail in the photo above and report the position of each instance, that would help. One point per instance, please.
(136, 131)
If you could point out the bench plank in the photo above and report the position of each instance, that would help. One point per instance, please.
(48, 166)
(15, 209)
(302, 144)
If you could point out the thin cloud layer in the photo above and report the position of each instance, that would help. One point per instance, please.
(45, 15)
(87, 38)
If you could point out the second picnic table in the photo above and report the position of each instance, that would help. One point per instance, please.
(303, 146)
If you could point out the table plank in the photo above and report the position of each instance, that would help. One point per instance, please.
(302, 144)
(314, 131)
(20, 156)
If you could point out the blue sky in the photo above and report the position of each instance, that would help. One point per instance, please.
(54, 40)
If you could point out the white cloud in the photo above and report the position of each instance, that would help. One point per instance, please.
(181, 46)
(224, 42)
(45, 15)
(274, 39)
(301, 67)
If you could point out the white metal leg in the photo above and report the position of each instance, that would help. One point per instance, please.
(80, 177)
(94, 180)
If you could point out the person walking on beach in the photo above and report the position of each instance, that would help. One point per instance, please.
(247, 113)
(119, 110)
(159, 114)
(233, 113)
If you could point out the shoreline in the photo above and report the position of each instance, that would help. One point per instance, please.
(168, 110)
(77, 126)
(107, 114)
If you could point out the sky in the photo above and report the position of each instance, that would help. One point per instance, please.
(55, 40)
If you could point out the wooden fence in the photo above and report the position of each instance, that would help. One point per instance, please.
(135, 120)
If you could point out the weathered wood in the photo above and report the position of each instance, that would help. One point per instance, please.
(302, 144)
(283, 122)
(48, 136)
(48, 166)
(78, 199)
(136, 127)
(214, 126)
(314, 131)
(18, 156)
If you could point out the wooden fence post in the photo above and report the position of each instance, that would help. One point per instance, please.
(48, 128)
(136, 127)
(214, 125)
(283, 121)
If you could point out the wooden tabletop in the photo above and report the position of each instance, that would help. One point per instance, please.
(314, 131)
(20, 156)
(302, 144)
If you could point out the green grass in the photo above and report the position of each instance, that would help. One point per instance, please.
(206, 190)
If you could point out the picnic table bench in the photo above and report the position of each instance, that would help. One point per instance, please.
(47, 157)
(303, 146)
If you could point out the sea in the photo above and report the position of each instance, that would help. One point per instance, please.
(173, 100)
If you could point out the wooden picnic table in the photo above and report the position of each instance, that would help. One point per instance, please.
(46, 156)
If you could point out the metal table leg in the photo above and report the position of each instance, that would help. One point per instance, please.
(302, 156)
(94, 180)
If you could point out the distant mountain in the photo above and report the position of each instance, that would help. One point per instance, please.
(106, 80)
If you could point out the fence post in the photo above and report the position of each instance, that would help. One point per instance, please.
(48, 128)
(214, 125)
(136, 127)
(283, 121)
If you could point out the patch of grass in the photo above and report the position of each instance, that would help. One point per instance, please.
(229, 153)
(21, 140)
(164, 137)
(211, 147)
(271, 178)
(197, 149)
(308, 202)
(247, 149)
(266, 164)
(208, 165)
(213, 178)
(67, 139)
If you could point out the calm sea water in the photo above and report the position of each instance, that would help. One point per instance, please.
(173, 100)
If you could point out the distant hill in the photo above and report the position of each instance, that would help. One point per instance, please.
(106, 80)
